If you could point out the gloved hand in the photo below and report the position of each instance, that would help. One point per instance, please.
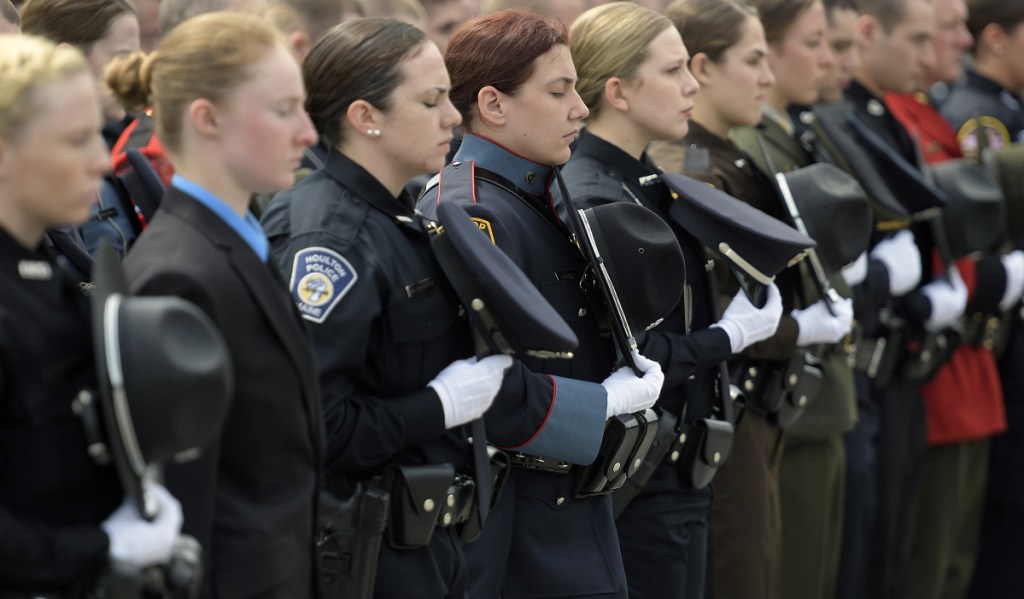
(139, 542)
(1013, 264)
(855, 272)
(628, 393)
(745, 324)
(902, 259)
(817, 325)
(948, 299)
(467, 387)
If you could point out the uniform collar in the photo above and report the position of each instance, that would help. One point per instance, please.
(365, 186)
(248, 227)
(992, 88)
(780, 118)
(525, 174)
(639, 175)
(27, 264)
(701, 137)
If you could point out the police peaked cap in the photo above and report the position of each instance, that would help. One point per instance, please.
(164, 376)
(913, 190)
(835, 210)
(642, 263)
(1008, 166)
(756, 245)
(507, 308)
(974, 214)
(884, 205)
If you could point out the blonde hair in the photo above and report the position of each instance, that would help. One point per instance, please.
(26, 63)
(204, 57)
(608, 41)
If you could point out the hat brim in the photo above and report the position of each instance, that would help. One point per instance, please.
(506, 308)
(110, 287)
(741, 235)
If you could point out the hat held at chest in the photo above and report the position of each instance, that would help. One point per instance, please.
(756, 246)
(164, 376)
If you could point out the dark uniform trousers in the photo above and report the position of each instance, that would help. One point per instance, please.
(540, 540)
(53, 496)
(664, 531)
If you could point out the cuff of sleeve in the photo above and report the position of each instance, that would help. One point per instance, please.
(574, 426)
(422, 415)
(990, 284)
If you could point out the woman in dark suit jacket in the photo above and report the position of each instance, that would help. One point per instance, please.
(229, 108)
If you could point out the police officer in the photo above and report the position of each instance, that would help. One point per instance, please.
(56, 527)
(986, 112)
(392, 350)
(664, 530)
(512, 80)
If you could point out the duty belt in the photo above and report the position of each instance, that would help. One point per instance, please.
(521, 460)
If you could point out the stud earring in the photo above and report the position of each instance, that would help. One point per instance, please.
(373, 132)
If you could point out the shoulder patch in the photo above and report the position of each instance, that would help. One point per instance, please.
(485, 226)
(320, 278)
(997, 136)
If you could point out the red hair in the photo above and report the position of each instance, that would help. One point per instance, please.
(499, 50)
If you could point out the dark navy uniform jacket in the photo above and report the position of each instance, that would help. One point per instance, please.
(52, 495)
(382, 318)
(875, 114)
(689, 352)
(539, 540)
(980, 100)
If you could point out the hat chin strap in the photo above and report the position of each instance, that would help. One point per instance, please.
(747, 267)
(111, 331)
(604, 274)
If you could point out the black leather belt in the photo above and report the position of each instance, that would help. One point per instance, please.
(521, 460)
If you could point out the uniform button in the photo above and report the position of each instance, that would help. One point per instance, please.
(682, 438)
(748, 386)
(752, 371)
(793, 379)
(447, 519)
(675, 456)
(616, 467)
(428, 505)
(875, 108)
(718, 456)
(636, 463)
(450, 501)
(582, 312)
(802, 401)
(531, 177)
(560, 501)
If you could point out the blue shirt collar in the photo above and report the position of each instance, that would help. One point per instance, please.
(248, 228)
(525, 174)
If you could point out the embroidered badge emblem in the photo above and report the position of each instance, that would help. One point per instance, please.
(320, 278)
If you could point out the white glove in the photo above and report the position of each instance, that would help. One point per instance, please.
(139, 542)
(467, 387)
(855, 272)
(1013, 264)
(817, 325)
(948, 299)
(745, 324)
(628, 393)
(902, 259)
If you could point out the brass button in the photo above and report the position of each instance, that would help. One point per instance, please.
(675, 456)
(637, 462)
(718, 456)
(428, 505)
(802, 401)
(447, 519)
(748, 386)
(682, 438)
(560, 501)
(450, 501)
(752, 371)
(793, 379)
(582, 312)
